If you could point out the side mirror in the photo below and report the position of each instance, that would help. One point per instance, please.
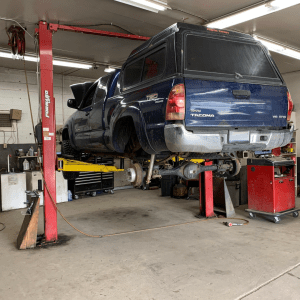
(72, 103)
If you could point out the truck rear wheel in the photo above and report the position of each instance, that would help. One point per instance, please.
(67, 150)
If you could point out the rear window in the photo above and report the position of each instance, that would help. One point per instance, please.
(211, 55)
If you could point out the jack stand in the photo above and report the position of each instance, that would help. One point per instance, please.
(148, 180)
(223, 202)
(28, 234)
(206, 198)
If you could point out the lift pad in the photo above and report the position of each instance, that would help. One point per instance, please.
(69, 165)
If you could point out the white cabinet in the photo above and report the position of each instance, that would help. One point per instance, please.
(13, 186)
(32, 178)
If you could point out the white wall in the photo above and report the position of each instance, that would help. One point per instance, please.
(293, 83)
(13, 95)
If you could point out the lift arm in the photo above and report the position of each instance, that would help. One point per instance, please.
(69, 165)
(55, 27)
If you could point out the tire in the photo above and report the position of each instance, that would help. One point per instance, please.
(67, 150)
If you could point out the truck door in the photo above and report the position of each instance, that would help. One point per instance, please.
(81, 123)
(96, 115)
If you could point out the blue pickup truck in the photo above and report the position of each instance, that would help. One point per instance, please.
(191, 91)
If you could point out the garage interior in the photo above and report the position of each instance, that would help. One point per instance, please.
(137, 243)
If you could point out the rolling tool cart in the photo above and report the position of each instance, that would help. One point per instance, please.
(91, 182)
(271, 188)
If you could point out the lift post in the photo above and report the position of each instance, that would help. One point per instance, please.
(44, 33)
(49, 130)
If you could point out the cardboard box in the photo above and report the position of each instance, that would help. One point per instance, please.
(15, 114)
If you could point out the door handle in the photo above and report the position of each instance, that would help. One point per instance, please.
(291, 180)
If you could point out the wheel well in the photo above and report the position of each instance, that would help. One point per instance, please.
(123, 134)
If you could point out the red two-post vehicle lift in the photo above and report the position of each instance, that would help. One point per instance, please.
(44, 33)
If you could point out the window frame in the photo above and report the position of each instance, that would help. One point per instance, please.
(143, 57)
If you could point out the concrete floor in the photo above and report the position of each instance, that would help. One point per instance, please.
(204, 260)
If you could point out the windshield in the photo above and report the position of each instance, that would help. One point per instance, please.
(205, 54)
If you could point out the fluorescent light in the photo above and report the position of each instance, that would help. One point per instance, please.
(281, 49)
(252, 13)
(151, 5)
(17, 57)
(71, 64)
(109, 70)
(56, 62)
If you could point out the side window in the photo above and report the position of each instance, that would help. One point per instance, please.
(88, 99)
(132, 73)
(102, 88)
(154, 64)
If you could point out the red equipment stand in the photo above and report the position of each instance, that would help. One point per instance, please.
(48, 125)
(206, 197)
(44, 33)
(271, 188)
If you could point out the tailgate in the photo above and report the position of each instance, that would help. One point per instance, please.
(233, 104)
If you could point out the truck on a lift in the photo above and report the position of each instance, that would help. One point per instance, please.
(189, 91)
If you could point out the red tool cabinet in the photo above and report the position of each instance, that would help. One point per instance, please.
(271, 187)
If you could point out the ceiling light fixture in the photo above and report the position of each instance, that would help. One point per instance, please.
(76, 65)
(252, 13)
(56, 62)
(281, 49)
(109, 70)
(151, 5)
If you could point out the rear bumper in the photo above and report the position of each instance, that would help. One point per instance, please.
(178, 139)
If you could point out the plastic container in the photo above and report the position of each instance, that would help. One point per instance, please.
(167, 184)
(70, 195)
(25, 165)
(31, 151)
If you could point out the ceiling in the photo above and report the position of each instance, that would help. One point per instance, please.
(282, 26)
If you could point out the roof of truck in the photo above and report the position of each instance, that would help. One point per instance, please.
(177, 27)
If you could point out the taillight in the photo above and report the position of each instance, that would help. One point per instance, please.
(176, 103)
(290, 106)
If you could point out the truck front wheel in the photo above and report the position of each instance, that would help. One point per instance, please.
(68, 152)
